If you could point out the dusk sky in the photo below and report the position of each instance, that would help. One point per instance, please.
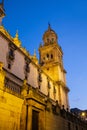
(68, 18)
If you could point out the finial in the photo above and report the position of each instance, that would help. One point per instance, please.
(34, 52)
(16, 39)
(16, 34)
(49, 27)
(34, 58)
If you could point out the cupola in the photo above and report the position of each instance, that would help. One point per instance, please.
(50, 36)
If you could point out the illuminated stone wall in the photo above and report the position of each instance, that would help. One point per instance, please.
(10, 111)
(10, 106)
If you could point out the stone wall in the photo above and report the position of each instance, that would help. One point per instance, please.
(64, 122)
(10, 111)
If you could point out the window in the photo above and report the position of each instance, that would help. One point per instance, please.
(47, 39)
(9, 66)
(52, 39)
(11, 54)
(51, 56)
(27, 67)
(47, 55)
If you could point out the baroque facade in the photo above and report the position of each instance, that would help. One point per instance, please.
(34, 94)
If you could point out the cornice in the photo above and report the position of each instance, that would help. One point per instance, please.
(56, 45)
(63, 85)
(5, 34)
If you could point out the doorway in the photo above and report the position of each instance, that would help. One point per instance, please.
(35, 120)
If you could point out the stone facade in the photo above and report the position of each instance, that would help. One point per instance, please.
(33, 95)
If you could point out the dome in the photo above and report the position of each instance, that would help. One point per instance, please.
(50, 36)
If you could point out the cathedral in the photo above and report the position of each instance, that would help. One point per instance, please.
(34, 93)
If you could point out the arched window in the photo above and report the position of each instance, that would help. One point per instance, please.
(47, 55)
(51, 56)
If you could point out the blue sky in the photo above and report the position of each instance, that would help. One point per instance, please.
(69, 20)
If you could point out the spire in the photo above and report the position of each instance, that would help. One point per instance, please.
(49, 26)
(16, 35)
(16, 39)
(34, 57)
(34, 53)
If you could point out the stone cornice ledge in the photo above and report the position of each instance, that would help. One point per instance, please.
(63, 85)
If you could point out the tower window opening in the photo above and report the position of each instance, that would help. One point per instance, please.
(51, 56)
(52, 39)
(48, 40)
(47, 55)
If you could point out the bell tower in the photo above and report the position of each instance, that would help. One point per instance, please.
(2, 12)
(51, 61)
(51, 56)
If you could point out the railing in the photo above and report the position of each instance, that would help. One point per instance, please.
(12, 85)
